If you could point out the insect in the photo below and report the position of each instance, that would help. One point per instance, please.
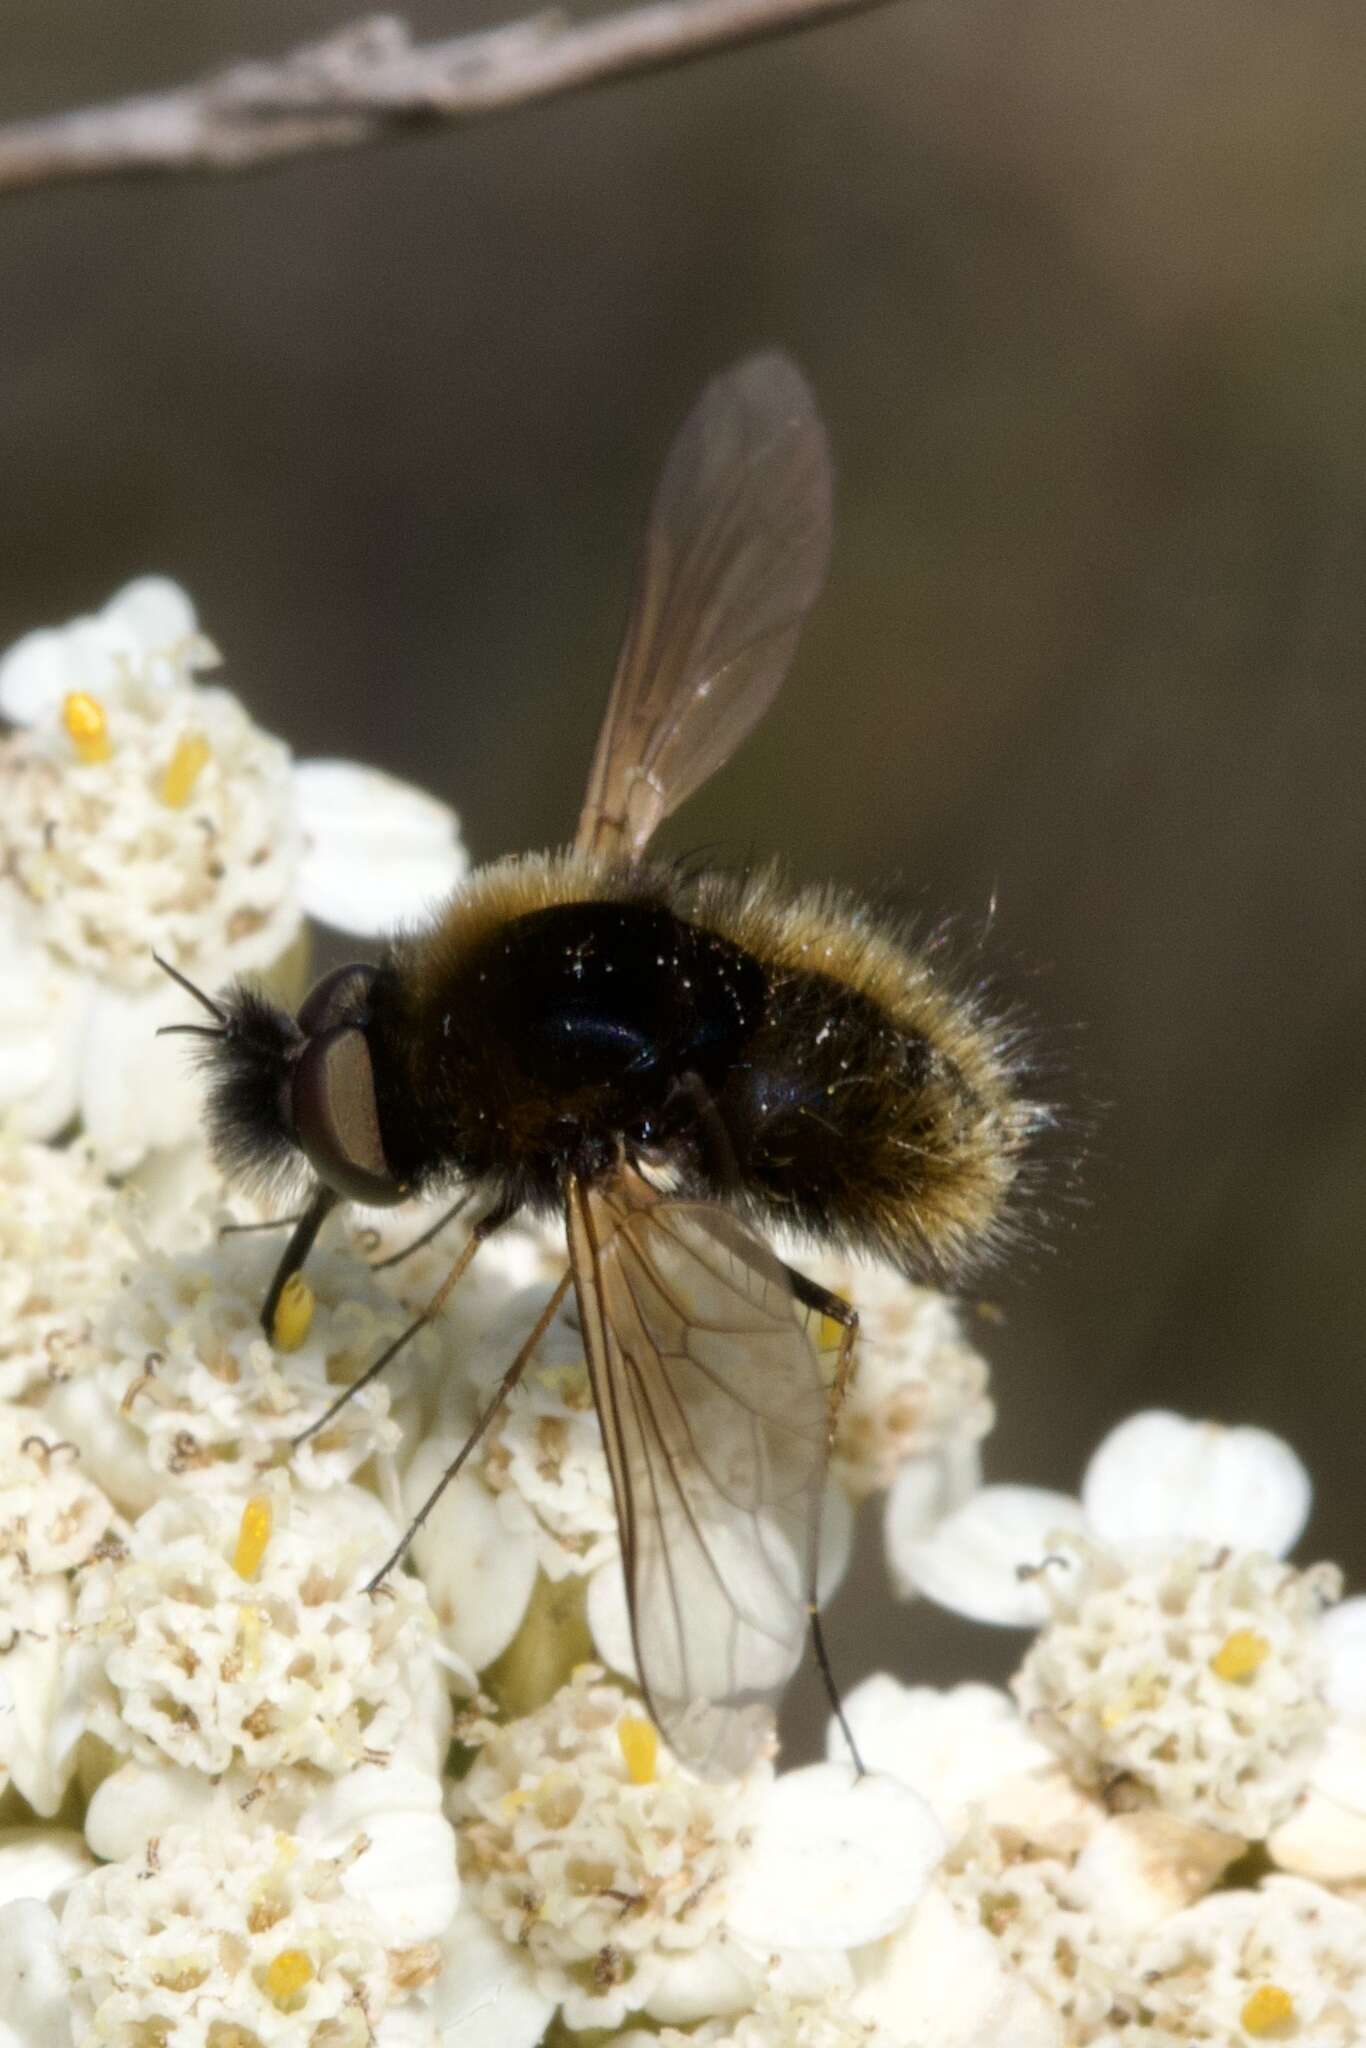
(676, 1060)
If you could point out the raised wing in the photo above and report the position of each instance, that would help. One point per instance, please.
(735, 555)
(713, 1413)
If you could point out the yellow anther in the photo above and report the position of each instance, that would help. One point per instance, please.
(1240, 1655)
(252, 1536)
(293, 1316)
(640, 1747)
(287, 1976)
(1268, 2013)
(183, 770)
(88, 728)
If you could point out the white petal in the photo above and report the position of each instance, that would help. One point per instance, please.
(951, 1747)
(1138, 1868)
(478, 1573)
(378, 852)
(943, 1979)
(1325, 1837)
(704, 1982)
(138, 1801)
(926, 1490)
(408, 1874)
(1339, 1769)
(1342, 1640)
(137, 1091)
(40, 1863)
(407, 1877)
(44, 1011)
(984, 1561)
(1161, 1479)
(609, 1620)
(835, 1861)
(486, 1995)
(154, 612)
(40, 1684)
(35, 675)
(35, 1990)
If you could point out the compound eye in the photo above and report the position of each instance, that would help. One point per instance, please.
(341, 997)
(336, 1117)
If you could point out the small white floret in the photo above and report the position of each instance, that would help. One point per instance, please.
(588, 1848)
(245, 1931)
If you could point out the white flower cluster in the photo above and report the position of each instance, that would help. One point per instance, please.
(144, 814)
(245, 1799)
(178, 1380)
(1194, 1682)
(64, 1249)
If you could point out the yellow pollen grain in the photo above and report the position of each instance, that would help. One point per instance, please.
(252, 1537)
(287, 1976)
(183, 770)
(1240, 1655)
(640, 1747)
(87, 727)
(293, 1316)
(1269, 2011)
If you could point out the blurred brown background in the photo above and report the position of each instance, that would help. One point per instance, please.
(1082, 289)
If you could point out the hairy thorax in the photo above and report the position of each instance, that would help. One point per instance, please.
(562, 1016)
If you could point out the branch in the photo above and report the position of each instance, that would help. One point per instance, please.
(371, 82)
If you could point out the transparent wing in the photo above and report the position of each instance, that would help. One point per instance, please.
(735, 555)
(713, 1412)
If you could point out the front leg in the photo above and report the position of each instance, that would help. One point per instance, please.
(301, 1241)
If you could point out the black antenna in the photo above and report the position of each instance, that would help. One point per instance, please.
(214, 1009)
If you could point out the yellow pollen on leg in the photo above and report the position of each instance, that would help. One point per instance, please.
(1268, 2013)
(252, 1536)
(293, 1316)
(287, 1976)
(639, 1741)
(183, 770)
(829, 1333)
(1240, 1655)
(87, 727)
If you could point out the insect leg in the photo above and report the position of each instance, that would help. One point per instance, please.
(297, 1250)
(492, 1220)
(812, 1295)
(501, 1392)
(832, 1691)
(271, 1223)
(717, 1150)
(433, 1230)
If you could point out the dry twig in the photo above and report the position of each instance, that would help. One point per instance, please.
(372, 82)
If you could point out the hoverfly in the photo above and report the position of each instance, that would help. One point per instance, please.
(675, 1061)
